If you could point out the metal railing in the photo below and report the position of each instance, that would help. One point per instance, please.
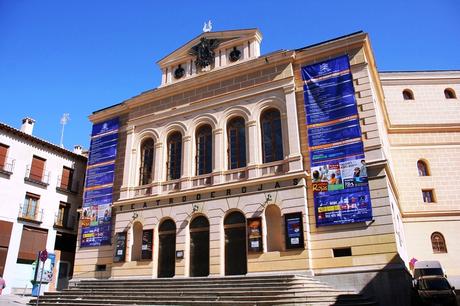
(31, 177)
(68, 222)
(8, 165)
(30, 214)
(74, 187)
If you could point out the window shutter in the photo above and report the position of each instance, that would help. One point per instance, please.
(32, 241)
(5, 233)
(66, 178)
(36, 170)
(3, 151)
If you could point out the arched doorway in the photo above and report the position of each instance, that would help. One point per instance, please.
(235, 244)
(199, 247)
(167, 249)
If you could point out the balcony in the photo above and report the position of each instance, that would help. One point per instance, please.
(8, 166)
(273, 168)
(202, 180)
(69, 222)
(42, 180)
(67, 188)
(235, 175)
(30, 214)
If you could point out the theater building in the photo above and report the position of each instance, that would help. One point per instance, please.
(213, 172)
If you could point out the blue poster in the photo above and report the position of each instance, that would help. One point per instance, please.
(100, 175)
(338, 168)
(96, 220)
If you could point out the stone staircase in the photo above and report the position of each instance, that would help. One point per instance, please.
(228, 291)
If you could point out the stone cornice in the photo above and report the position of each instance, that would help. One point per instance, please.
(214, 76)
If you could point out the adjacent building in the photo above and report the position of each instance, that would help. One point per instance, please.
(216, 172)
(423, 112)
(40, 191)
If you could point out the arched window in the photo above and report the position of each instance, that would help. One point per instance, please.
(449, 93)
(204, 150)
(236, 138)
(174, 156)
(408, 94)
(145, 171)
(422, 168)
(438, 243)
(272, 139)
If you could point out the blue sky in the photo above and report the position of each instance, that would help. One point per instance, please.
(80, 56)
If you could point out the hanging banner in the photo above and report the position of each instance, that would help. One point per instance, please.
(96, 220)
(338, 168)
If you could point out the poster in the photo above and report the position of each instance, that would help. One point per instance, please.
(120, 247)
(293, 230)
(255, 235)
(147, 244)
(338, 167)
(47, 267)
(96, 218)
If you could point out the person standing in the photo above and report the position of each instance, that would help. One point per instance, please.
(2, 284)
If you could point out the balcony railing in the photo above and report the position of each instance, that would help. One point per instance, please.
(29, 214)
(273, 168)
(235, 175)
(42, 179)
(8, 166)
(67, 222)
(202, 180)
(69, 187)
(171, 186)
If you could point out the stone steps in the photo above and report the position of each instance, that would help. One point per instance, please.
(240, 290)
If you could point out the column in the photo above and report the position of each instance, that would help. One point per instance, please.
(158, 168)
(218, 156)
(253, 148)
(187, 160)
(129, 167)
(294, 154)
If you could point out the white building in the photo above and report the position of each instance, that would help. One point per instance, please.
(40, 192)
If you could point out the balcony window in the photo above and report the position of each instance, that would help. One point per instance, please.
(204, 150)
(6, 165)
(174, 156)
(146, 169)
(236, 133)
(29, 210)
(62, 216)
(66, 178)
(272, 139)
(36, 172)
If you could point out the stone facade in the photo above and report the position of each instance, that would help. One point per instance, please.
(246, 89)
(426, 128)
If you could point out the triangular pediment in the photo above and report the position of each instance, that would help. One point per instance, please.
(225, 37)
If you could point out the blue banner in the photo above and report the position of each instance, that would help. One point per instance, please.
(103, 149)
(338, 168)
(100, 175)
(96, 220)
